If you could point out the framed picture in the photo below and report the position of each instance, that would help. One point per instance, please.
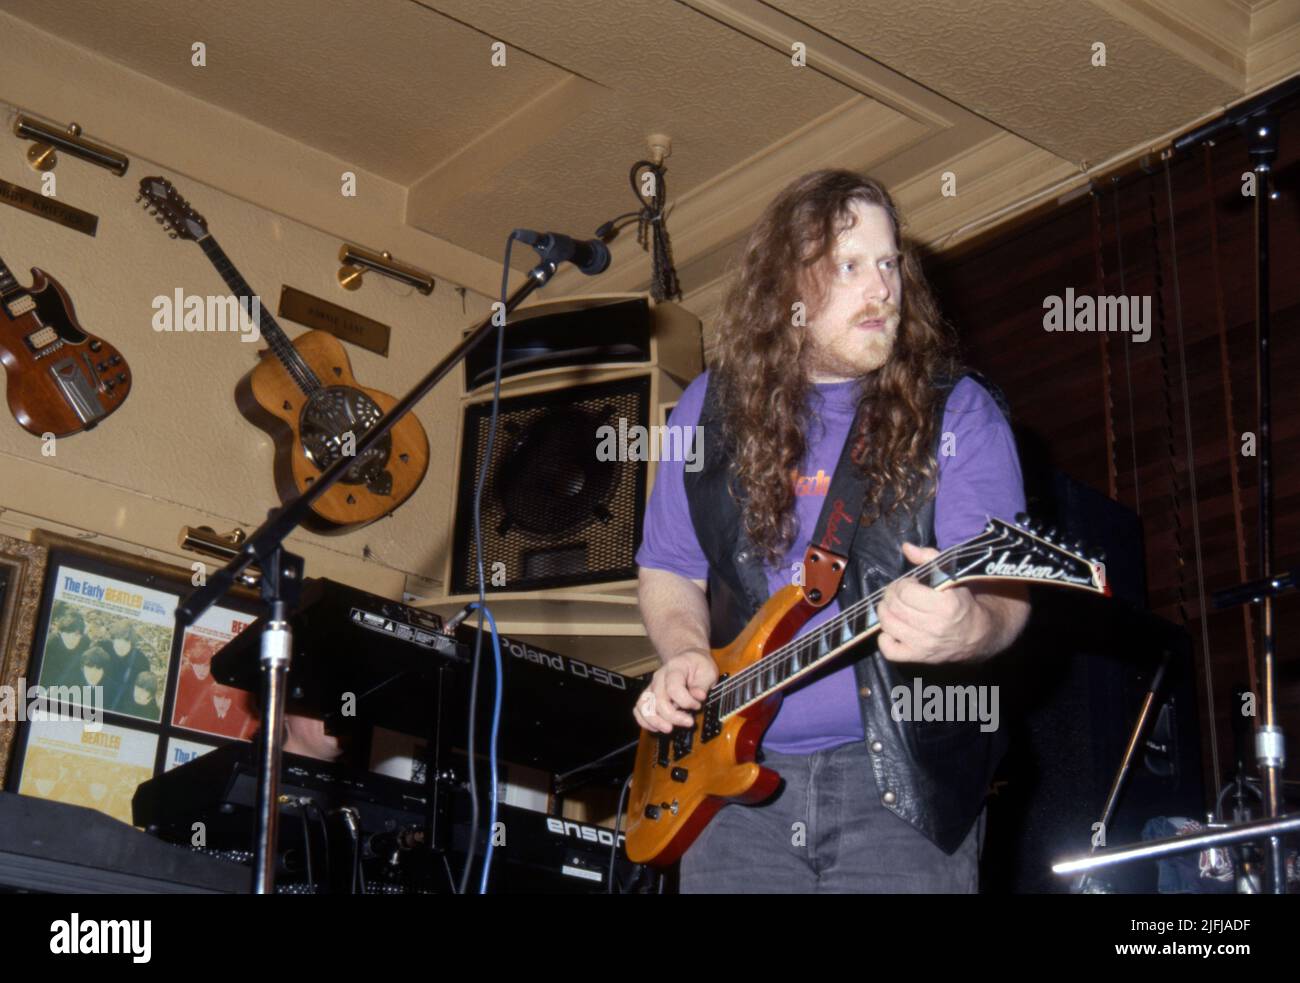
(22, 577)
(115, 694)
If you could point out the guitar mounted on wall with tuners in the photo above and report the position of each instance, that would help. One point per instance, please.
(307, 398)
(61, 379)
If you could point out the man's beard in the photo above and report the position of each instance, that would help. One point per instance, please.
(857, 353)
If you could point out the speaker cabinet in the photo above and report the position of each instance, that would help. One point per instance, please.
(609, 331)
(560, 513)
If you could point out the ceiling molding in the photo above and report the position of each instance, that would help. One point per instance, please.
(835, 60)
(1210, 34)
(1275, 58)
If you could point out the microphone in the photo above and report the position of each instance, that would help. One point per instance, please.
(590, 256)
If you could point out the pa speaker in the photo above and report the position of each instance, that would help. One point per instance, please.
(556, 509)
(585, 383)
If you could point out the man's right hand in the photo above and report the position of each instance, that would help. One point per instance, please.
(679, 685)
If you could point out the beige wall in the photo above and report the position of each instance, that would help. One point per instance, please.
(178, 452)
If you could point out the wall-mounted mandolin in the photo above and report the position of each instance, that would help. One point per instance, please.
(682, 779)
(61, 378)
(303, 393)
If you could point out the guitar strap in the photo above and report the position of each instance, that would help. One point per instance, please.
(841, 514)
(847, 495)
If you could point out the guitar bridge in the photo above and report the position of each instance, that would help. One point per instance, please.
(79, 393)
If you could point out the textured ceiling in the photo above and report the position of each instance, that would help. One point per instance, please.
(384, 83)
(1002, 91)
(1028, 67)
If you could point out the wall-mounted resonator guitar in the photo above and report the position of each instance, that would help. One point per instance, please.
(305, 396)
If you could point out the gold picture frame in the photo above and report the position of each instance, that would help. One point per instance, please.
(31, 563)
(22, 570)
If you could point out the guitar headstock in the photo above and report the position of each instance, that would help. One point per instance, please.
(1028, 552)
(174, 214)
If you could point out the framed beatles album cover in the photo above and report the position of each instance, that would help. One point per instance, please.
(116, 690)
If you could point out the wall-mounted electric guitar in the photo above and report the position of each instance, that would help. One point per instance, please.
(61, 378)
(682, 779)
(307, 398)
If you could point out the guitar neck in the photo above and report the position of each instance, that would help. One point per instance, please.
(8, 283)
(781, 668)
(298, 370)
(1001, 553)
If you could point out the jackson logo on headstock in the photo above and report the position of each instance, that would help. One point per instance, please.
(1002, 567)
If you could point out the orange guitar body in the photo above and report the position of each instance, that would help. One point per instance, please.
(269, 397)
(721, 769)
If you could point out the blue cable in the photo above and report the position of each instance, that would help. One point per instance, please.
(492, 747)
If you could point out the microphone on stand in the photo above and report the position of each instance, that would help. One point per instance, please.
(590, 256)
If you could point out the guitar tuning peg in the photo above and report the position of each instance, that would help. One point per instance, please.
(1078, 547)
(1099, 556)
(1022, 519)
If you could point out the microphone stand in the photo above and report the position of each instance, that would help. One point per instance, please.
(1256, 118)
(1260, 124)
(282, 576)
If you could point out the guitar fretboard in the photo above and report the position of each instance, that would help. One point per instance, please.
(298, 370)
(1001, 552)
(8, 284)
(780, 668)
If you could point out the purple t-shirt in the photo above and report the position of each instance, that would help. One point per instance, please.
(979, 477)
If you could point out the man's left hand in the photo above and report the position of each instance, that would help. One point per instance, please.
(921, 624)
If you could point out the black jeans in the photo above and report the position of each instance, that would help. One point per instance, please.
(824, 832)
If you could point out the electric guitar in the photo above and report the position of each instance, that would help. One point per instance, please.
(61, 378)
(307, 398)
(682, 779)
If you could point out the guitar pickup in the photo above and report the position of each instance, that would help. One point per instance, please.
(663, 741)
(683, 741)
(712, 725)
(21, 305)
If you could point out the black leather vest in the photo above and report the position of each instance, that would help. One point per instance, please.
(933, 774)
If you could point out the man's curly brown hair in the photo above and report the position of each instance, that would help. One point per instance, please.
(760, 362)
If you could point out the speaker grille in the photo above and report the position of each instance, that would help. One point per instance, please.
(553, 513)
